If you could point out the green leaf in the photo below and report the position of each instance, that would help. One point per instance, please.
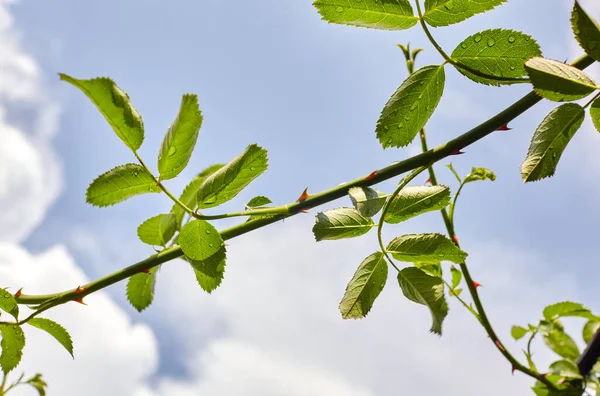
(424, 289)
(480, 174)
(595, 113)
(550, 140)
(500, 53)
(210, 271)
(376, 14)
(189, 195)
(341, 223)
(140, 289)
(13, 342)
(410, 107)
(518, 332)
(540, 389)
(158, 230)
(456, 292)
(115, 106)
(447, 12)
(587, 31)
(38, 383)
(456, 276)
(258, 201)
(55, 330)
(364, 287)
(367, 201)
(232, 178)
(565, 308)
(565, 368)
(433, 269)
(414, 201)
(557, 81)
(429, 248)
(179, 141)
(119, 184)
(199, 240)
(590, 328)
(561, 343)
(9, 304)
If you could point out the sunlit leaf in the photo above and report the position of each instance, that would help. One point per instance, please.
(367, 201)
(558, 81)
(456, 276)
(518, 332)
(590, 328)
(140, 289)
(566, 308)
(414, 201)
(119, 184)
(258, 201)
(9, 304)
(587, 31)
(158, 230)
(429, 248)
(565, 368)
(341, 223)
(561, 343)
(480, 174)
(55, 330)
(210, 272)
(595, 113)
(448, 12)
(199, 240)
(13, 342)
(376, 14)
(364, 287)
(38, 383)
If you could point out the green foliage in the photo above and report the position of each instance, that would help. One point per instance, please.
(589, 329)
(367, 201)
(433, 269)
(557, 81)
(189, 195)
(498, 52)
(258, 201)
(414, 201)
(364, 287)
(448, 12)
(587, 31)
(9, 304)
(140, 289)
(479, 174)
(115, 106)
(428, 248)
(565, 368)
(13, 342)
(518, 332)
(119, 184)
(158, 230)
(456, 276)
(228, 181)
(210, 271)
(424, 289)
(566, 308)
(38, 383)
(376, 14)
(561, 343)
(341, 223)
(178, 144)
(568, 389)
(55, 330)
(595, 113)
(550, 140)
(199, 240)
(410, 107)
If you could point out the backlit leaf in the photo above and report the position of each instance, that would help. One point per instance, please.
(367, 201)
(119, 184)
(9, 304)
(414, 201)
(115, 106)
(456, 276)
(424, 289)
(590, 328)
(565, 368)
(210, 271)
(550, 140)
(158, 230)
(595, 113)
(429, 248)
(518, 332)
(558, 81)
(199, 240)
(448, 12)
(38, 383)
(566, 308)
(376, 14)
(480, 174)
(410, 107)
(561, 343)
(587, 31)
(232, 178)
(140, 289)
(258, 201)
(13, 342)
(341, 223)
(500, 53)
(364, 287)
(55, 330)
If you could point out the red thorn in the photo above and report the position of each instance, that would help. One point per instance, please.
(80, 300)
(543, 374)
(79, 289)
(19, 292)
(513, 370)
(371, 175)
(565, 62)
(304, 211)
(145, 271)
(499, 345)
(455, 238)
(476, 285)
(456, 152)
(504, 127)
(428, 181)
(303, 196)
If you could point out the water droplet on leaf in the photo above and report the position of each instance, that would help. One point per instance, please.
(464, 46)
(172, 151)
(340, 9)
(491, 42)
(477, 38)
(511, 39)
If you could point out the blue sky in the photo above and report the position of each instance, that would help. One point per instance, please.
(273, 73)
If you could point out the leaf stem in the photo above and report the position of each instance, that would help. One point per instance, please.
(592, 100)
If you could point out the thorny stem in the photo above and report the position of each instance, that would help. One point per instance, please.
(388, 172)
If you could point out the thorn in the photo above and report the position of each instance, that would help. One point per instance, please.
(456, 152)
(499, 345)
(304, 210)
(428, 181)
(79, 289)
(476, 285)
(80, 300)
(303, 196)
(513, 370)
(543, 374)
(18, 293)
(145, 271)
(504, 127)
(455, 238)
(371, 175)
(566, 60)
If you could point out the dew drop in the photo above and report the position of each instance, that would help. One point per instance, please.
(491, 42)
(511, 39)
(211, 244)
(464, 45)
(151, 189)
(414, 106)
(592, 45)
(252, 168)
(340, 9)
(441, 255)
(6, 295)
(428, 201)
(207, 231)
(512, 68)
(172, 151)
(406, 118)
(477, 38)
(389, 142)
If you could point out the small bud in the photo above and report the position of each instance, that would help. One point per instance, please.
(456, 152)
(455, 238)
(303, 196)
(499, 345)
(371, 175)
(19, 292)
(504, 127)
(476, 285)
